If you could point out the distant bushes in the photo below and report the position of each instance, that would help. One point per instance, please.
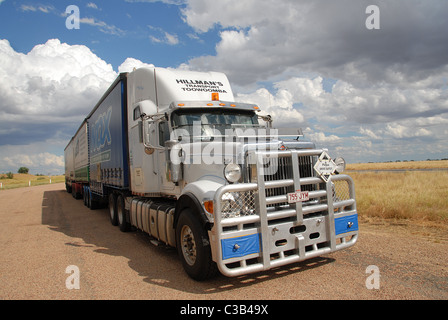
(8, 175)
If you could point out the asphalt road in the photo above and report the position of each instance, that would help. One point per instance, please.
(44, 230)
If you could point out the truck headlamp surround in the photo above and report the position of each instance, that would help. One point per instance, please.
(340, 164)
(232, 172)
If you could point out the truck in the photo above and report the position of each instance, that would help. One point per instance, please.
(172, 154)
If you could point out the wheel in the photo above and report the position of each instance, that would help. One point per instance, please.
(75, 193)
(121, 214)
(194, 247)
(88, 198)
(113, 209)
(85, 196)
(91, 202)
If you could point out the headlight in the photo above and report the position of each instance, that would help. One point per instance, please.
(232, 172)
(340, 164)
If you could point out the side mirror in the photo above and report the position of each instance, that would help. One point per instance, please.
(146, 136)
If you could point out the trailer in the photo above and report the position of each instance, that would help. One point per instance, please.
(171, 153)
(77, 162)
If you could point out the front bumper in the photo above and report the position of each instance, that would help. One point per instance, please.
(256, 229)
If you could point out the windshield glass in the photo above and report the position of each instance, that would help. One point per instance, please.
(213, 122)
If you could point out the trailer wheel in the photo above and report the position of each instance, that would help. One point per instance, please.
(121, 214)
(85, 196)
(113, 209)
(88, 198)
(194, 247)
(92, 202)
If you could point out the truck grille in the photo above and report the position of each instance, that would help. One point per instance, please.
(239, 204)
(277, 169)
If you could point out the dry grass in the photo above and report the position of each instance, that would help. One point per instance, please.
(20, 180)
(415, 195)
(436, 164)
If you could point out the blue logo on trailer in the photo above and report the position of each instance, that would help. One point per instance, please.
(101, 131)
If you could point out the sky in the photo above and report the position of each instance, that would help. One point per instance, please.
(366, 79)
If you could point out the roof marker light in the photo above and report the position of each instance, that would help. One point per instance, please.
(215, 96)
(181, 104)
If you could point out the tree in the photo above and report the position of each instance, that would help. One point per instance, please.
(23, 170)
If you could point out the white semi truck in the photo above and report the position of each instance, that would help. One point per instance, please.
(172, 154)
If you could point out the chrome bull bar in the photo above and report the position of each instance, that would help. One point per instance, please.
(255, 230)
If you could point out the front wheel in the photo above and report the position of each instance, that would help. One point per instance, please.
(194, 247)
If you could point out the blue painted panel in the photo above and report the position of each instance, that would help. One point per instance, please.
(107, 141)
(240, 246)
(346, 224)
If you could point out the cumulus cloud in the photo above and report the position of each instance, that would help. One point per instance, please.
(263, 38)
(53, 82)
(46, 93)
(400, 131)
(39, 160)
(279, 106)
(354, 88)
(354, 121)
(130, 64)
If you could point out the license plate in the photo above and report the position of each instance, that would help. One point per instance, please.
(298, 196)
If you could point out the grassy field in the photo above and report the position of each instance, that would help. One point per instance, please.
(412, 195)
(20, 180)
(436, 164)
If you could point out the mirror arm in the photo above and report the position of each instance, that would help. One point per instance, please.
(149, 146)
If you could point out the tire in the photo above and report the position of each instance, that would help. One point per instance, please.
(75, 192)
(88, 198)
(121, 214)
(113, 209)
(92, 203)
(193, 247)
(85, 196)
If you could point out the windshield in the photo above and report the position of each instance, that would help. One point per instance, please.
(213, 122)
